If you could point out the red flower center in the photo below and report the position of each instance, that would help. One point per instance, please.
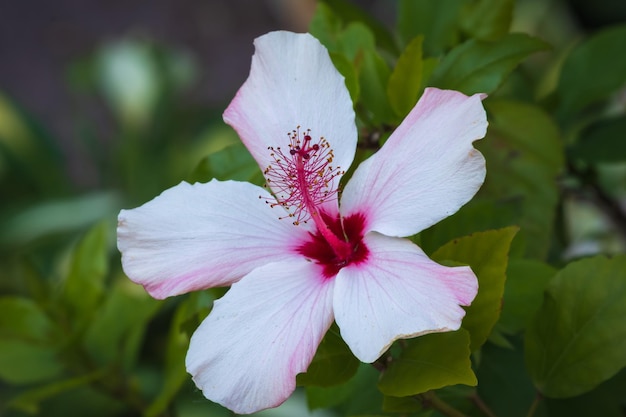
(302, 180)
(322, 252)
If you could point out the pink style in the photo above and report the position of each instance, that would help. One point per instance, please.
(302, 253)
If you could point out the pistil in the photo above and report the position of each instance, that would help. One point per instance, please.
(302, 180)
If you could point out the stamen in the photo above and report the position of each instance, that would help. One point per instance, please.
(302, 178)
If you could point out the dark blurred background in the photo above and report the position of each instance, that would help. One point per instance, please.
(43, 43)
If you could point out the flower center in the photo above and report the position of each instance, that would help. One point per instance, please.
(302, 178)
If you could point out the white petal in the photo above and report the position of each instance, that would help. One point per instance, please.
(246, 354)
(203, 235)
(293, 83)
(397, 293)
(426, 170)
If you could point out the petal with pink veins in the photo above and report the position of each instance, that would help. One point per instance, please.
(199, 236)
(398, 293)
(293, 83)
(425, 171)
(246, 354)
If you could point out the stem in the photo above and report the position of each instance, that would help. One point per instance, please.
(534, 405)
(431, 400)
(480, 404)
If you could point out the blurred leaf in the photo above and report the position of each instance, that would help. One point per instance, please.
(350, 13)
(347, 69)
(478, 66)
(603, 141)
(21, 318)
(355, 39)
(479, 215)
(606, 400)
(401, 405)
(437, 21)
(325, 26)
(29, 401)
(504, 384)
(118, 326)
(358, 44)
(405, 82)
(487, 253)
(429, 362)
(358, 396)
(176, 350)
(231, 163)
(49, 217)
(28, 158)
(578, 338)
(24, 362)
(374, 77)
(488, 19)
(593, 70)
(524, 156)
(89, 266)
(28, 351)
(332, 364)
(523, 293)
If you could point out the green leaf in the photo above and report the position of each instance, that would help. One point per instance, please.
(119, 325)
(479, 215)
(176, 349)
(437, 21)
(355, 39)
(332, 364)
(606, 400)
(325, 26)
(401, 405)
(357, 396)
(23, 362)
(374, 77)
(524, 156)
(523, 293)
(593, 70)
(504, 383)
(89, 266)
(49, 217)
(405, 82)
(349, 13)
(487, 253)
(349, 72)
(488, 19)
(231, 163)
(578, 338)
(357, 43)
(21, 318)
(603, 141)
(481, 66)
(429, 362)
(29, 159)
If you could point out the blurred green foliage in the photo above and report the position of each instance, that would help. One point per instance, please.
(546, 335)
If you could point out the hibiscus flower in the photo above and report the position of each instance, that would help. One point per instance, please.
(300, 253)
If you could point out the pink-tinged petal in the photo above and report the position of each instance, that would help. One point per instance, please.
(246, 354)
(293, 83)
(398, 293)
(426, 170)
(203, 235)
